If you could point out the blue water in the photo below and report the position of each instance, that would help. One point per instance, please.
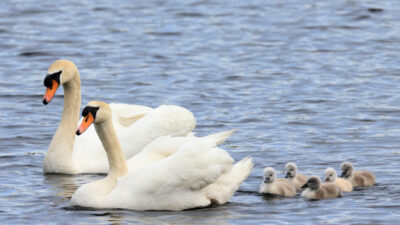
(315, 82)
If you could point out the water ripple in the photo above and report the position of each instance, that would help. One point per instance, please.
(309, 81)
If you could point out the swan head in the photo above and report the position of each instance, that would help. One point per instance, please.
(269, 175)
(347, 169)
(59, 73)
(313, 182)
(330, 175)
(95, 112)
(291, 170)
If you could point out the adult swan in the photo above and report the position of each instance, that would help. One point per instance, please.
(195, 175)
(136, 126)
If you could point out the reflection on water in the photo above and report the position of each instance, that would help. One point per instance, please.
(63, 185)
(314, 82)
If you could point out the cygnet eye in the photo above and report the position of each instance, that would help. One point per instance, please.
(291, 170)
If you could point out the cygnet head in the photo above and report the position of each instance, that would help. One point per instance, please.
(269, 175)
(291, 170)
(330, 175)
(95, 112)
(347, 169)
(313, 182)
(59, 73)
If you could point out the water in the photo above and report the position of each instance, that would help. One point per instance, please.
(315, 82)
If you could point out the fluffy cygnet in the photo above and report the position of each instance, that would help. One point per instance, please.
(357, 178)
(316, 190)
(277, 186)
(331, 177)
(297, 180)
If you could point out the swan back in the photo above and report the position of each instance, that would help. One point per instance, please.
(164, 120)
(176, 182)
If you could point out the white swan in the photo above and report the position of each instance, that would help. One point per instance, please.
(136, 126)
(195, 175)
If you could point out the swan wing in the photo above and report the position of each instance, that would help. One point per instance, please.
(162, 121)
(165, 146)
(125, 115)
(174, 183)
(226, 185)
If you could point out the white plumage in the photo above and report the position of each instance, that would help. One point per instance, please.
(136, 126)
(89, 155)
(172, 173)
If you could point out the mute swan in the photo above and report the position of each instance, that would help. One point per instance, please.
(293, 177)
(136, 126)
(196, 175)
(277, 186)
(331, 177)
(316, 190)
(357, 178)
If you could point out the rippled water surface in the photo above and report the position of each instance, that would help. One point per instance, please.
(315, 82)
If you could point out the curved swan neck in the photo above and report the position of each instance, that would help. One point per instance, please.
(72, 104)
(59, 155)
(116, 158)
(70, 114)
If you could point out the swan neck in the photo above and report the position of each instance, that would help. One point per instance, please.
(72, 104)
(116, 158)
(59, 155)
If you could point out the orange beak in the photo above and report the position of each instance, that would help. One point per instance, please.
(86, 122)
(50, 93)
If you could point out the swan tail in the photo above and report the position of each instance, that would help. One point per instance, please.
(226, 185)
(219, 138)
